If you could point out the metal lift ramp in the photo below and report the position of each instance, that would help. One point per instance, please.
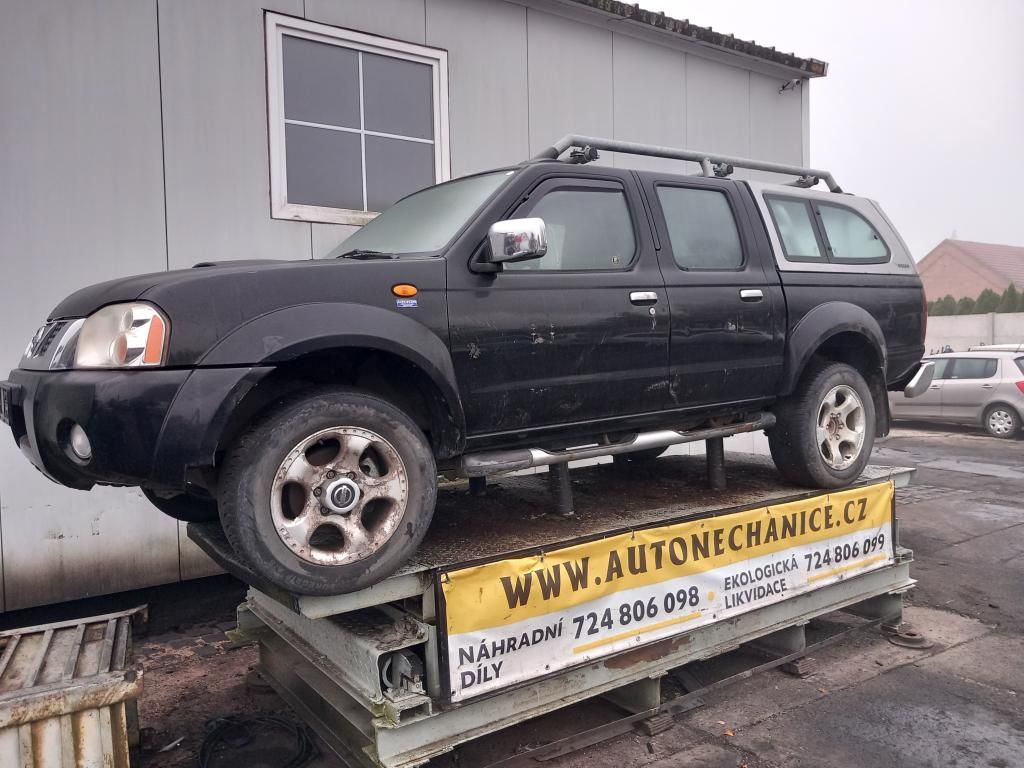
(508, 612)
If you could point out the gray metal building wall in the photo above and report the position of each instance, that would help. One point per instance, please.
(133, 138)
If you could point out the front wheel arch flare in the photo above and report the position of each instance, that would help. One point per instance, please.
(288, 334)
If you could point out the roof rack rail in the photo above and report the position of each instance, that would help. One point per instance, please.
(710, 163)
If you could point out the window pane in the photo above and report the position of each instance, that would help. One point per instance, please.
(427, 220)
(398, 96)
(851, 237)
(793, 221)
(701, 228)
(395, 169)
(323, 167)
(1020, 363)
(321, 83)
(587, 229)
(974, 368)
(942, 368)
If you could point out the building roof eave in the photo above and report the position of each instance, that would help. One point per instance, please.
(707, 37)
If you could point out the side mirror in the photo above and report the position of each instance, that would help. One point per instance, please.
(515, 240)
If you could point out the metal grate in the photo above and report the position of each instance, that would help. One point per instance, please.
(67, 692)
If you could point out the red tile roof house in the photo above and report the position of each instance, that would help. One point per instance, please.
(960, 268)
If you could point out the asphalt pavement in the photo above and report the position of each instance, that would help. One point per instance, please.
(871, 704)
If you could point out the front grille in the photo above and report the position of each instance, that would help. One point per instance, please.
(46, 337)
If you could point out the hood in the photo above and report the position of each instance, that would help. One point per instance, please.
(206, 303)
(87, 300)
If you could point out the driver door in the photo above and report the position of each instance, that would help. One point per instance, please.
(579, 335)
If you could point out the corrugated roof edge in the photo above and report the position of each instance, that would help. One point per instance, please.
(707, 36)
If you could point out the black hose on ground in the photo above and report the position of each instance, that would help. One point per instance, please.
(236, 731)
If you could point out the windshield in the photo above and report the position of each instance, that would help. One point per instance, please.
(426, 220)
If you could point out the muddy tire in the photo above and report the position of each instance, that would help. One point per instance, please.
(183, 506)
(825, 432)
(330, 492)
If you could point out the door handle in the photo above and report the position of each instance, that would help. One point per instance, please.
(988, 386)
(751, 294)
(934, 386)
(643, 298)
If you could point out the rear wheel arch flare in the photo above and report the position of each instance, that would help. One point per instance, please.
(843, 333)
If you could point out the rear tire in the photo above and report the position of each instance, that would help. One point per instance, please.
(1002, 421)
(824, 433)
(183, 506)
(329, 493)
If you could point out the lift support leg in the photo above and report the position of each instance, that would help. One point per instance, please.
(478, 486)
(715, 452)
(561, 485)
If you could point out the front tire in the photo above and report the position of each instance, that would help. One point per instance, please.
(824, 433)
(329, 493)
(1002, 421)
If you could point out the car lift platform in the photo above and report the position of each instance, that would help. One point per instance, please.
(509, 611)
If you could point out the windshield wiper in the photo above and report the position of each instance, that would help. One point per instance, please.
(362, 253)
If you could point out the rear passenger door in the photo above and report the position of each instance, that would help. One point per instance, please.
(727, 311)
(970, 386)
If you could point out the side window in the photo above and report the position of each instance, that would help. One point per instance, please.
(796, 229)
(701, 228)
(1020, 363)
(851, 237)
(974, 368)
(943, 369)
(587, 229)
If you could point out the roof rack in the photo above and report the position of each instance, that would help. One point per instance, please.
(710, 163)
(996, 348)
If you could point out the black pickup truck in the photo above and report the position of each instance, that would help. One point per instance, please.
(493, 322)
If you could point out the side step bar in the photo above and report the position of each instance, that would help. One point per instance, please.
(492, 462)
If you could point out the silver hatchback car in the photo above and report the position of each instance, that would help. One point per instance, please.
(976, 387)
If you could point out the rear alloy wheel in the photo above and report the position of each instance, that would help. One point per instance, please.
(840, 429)
(330, 493)
(1002, 421)
(824, 433)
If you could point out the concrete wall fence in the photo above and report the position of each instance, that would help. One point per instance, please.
(963, 331)
(134, 138)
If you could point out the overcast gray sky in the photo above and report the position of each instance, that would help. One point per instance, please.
(922, 108)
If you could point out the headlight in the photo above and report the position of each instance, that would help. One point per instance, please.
(123, 336)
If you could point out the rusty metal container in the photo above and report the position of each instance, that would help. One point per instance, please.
(68, 693)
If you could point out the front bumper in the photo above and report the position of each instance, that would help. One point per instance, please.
(122, 412)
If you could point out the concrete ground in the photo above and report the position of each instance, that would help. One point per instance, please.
(870, 703)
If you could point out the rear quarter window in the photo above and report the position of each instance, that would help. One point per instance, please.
(1020, 363)
(821, 231)
(851, 238)
(975, 368)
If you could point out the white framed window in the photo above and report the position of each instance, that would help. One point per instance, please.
(355, 121)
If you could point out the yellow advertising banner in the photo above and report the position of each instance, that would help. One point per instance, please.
(512, 620)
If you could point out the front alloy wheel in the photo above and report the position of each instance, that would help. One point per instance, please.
(338, 495)
(330, 492)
